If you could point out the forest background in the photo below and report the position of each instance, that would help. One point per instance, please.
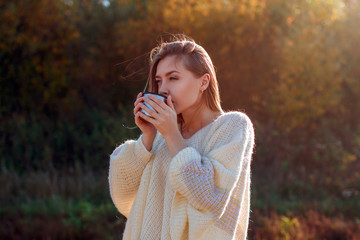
(70, 72)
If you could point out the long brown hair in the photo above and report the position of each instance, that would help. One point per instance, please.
(195, 59)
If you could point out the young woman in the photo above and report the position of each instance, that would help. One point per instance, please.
(188, 175)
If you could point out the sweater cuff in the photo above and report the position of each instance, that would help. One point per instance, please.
(141, 152)
(179, 161)
(185, 156)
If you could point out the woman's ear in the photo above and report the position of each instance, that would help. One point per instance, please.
(205, 80)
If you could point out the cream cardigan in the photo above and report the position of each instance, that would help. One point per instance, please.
(201, 193)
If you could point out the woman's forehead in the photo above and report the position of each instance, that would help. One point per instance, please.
(170, 63)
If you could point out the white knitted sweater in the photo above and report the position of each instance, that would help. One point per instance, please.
(201, 193)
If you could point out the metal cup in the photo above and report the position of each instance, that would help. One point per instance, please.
(159, 96)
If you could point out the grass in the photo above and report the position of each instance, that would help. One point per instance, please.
(308, 225)
(75, 204)
(71, 204)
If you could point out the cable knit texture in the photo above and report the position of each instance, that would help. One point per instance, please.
(201, 193)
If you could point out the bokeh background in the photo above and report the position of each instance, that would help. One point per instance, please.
(70, 72)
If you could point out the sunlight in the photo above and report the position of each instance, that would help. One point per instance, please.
(106, 3)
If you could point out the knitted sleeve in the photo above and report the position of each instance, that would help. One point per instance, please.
(214, 183)
(127, 163)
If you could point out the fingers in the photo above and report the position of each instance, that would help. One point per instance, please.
(147, 118)
(137, 108)
(169, 102)
(136, 104)
(157, 100)
(156, 103)
(159, 106)
(151, 112)
(139, 104)
(138, 98)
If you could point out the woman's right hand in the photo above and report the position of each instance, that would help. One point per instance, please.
(149, 131)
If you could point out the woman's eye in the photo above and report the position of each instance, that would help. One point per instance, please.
(173, 78)
(157, 82)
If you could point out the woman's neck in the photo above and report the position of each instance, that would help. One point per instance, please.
(195, 120)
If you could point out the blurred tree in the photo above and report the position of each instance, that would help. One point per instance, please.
(34, 65)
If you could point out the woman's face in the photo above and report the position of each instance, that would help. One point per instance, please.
(172, 78)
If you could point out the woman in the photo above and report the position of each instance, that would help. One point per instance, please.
(188, 175)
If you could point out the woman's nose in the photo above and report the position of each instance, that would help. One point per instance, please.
(164, 90)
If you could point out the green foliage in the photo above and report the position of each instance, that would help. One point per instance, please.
(65, 205)
(72, 219)
(41, 144)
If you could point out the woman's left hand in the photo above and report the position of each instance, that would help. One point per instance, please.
(164, 118)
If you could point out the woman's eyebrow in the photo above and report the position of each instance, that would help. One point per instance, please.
(168, 73)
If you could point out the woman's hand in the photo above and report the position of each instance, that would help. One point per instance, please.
(163, 117)
(146, 127)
